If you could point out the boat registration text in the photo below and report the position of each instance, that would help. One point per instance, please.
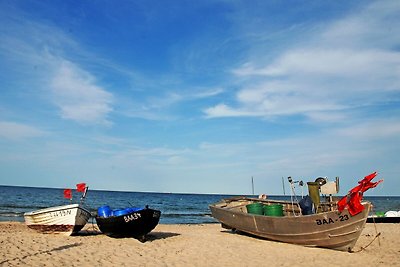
(341, 218)
(60, 213)
(132, 217)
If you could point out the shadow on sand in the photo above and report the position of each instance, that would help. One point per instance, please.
(60, 248)
(152, 236)
(160, 235)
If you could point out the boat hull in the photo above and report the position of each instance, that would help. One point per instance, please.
(372, 219)
(331, 229)
(135, 224)
(67, 220)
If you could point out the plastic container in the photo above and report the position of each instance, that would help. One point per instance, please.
(273, 210)
(380, 214)
(134, 209)
(104, 211)
(255, 208)
(313, 190)
(121, 212)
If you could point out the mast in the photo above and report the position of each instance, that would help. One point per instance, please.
(283, 186)
(252, 185)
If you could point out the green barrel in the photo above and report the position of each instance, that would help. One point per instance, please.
(273, 210)
(380, 214)
(255, 208)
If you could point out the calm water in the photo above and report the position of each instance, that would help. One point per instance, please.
(175, 208)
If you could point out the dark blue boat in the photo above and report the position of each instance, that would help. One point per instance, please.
(390, 216)
(129, 222)
(373, 219)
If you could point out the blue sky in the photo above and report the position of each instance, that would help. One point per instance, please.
(180, 96)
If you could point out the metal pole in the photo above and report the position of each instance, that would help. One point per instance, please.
(252, 185)
(283, 186)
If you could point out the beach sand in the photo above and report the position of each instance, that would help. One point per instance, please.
(187, 245)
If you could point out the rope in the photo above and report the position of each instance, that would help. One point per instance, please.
(293, 198)
(363, 248)
(376, 231)
(376, 236)
(94, 225)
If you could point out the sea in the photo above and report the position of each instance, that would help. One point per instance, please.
(175, 208)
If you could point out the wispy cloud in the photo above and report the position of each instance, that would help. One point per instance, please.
(19, 131)
(223, 110)
(156, 107)
(337, 62)
(205, 93)
(373, 130)
(339, 69)
(78, 97)
(45, 55)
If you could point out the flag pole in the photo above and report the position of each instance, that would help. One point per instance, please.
(84, 194)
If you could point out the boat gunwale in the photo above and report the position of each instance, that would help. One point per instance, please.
(229, 209)
(56, 208)
(130, 213)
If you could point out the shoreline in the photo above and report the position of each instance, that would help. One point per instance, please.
(187, 245)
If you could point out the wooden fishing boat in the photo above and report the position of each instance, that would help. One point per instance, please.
(308, 222)
(130, 222)
(329, 229)
(67, 219)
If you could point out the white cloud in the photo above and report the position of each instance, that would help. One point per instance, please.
(335, 62)
(78, 97)
(374, 26)
(207, 93)
(222, 110)
(18, 131)
(327, 116)
(27, 43)
(373, 130)
(157, 107)
(351, 63)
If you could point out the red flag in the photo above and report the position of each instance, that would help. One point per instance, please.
(353, 199)
(354, 204)
(81, 187)
(371, 176)
(342, 203)
(68, 193)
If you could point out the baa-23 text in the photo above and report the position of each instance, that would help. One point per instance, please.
(341, 218)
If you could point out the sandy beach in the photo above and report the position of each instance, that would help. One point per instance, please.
(187, 245)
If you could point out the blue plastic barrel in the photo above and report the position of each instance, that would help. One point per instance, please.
(120, 212)
(104, 211)
(134, 209)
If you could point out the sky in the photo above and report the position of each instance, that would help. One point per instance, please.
(199, 96)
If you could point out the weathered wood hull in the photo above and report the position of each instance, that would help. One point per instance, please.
(135, 224)
(330, 229)
(67, 220)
